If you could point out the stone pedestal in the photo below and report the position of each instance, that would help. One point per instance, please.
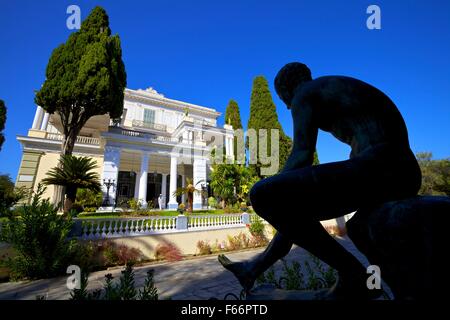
(397, 237)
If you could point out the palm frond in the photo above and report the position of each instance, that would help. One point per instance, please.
(75, 172)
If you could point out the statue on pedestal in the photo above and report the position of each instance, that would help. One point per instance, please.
(381, 168)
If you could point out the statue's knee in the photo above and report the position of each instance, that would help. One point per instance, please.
(255, 194)
(260, 196)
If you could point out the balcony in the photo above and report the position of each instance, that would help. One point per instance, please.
(154, 137)
(80, 139)
(146, 125)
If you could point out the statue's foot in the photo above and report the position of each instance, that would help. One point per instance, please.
(240, 271)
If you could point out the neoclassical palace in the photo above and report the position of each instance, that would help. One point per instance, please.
(158, 143)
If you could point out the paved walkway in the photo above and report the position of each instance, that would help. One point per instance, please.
(195, 279)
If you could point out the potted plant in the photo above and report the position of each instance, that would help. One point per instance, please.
(244, 207)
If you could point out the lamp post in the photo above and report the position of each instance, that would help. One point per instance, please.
(108, 183)
(205, 194)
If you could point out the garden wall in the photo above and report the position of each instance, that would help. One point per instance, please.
(185, 241)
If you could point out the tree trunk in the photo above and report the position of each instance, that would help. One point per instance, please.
(67, 147)
(71, 194)
(190, 201)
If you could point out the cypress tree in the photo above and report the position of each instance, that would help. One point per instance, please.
(85, 77)
(233, 115)
(263, 115)
(233, 118)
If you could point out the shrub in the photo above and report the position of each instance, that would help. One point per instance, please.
(181, 208)
(9, 195)
(212, 202)
(124, 290)
(120, 254)
(204, 247)
(293, 277)
(134, 204)
(256, 228)
(232, 208)
(241, 241)
(168, 251)
(90, 209)
(88, 199)
(39, 237)
(85, 255)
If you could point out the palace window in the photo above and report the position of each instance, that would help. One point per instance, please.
(149, 116)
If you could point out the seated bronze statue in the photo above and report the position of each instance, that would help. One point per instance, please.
(381, 168)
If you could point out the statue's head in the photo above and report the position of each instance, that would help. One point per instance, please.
(289, 78)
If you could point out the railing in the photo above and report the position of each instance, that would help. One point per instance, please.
(215, 221)
(90, 229)
(146, 125)
(80, 139)
(116, 228)
(145, 135)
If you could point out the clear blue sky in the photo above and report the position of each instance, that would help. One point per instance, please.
(206, 52)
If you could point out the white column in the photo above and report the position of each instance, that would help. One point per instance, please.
(111, 165)
(164, 188)
(231, 146)
(183, 184)
(143, 179)
(37, 118)
(136, 186)
(173, 183)
(45, 121)
(185, 136)
(199, 174)
(227, 147)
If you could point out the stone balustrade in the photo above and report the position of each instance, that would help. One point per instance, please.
(90, 229)
(80, 139)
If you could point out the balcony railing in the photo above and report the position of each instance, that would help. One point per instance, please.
(153, 137)
(140, 134)
(147, 125)
(80, 139)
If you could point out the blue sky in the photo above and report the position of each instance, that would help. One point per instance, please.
(206, 52)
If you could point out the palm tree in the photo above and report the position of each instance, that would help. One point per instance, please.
(73, 173)
(189, 190)
(232, 182)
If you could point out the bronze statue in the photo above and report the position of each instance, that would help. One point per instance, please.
(381, 168)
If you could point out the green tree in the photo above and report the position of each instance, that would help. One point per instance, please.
(85, 77)
(233, 118)
(73, 173)
(9, 194)
(263, 115)
(435, 175)
(2, 122)
(88, 199)
(233, 115)
(232, 182)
